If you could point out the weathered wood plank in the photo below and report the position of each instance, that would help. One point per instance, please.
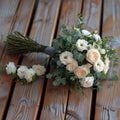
(108, 99)
(25, 102)
(23, 12)
(7, 15)
(79, 105)
(55, 101)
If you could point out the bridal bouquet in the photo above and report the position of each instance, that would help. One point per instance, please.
(79, 58)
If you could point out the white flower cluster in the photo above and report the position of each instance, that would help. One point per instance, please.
(23, 72)
(93, 58)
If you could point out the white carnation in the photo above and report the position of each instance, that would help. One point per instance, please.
(39, 70)
(107, 65)
(29, 74)
(93, 55)
(87, 81)
(81, 44)
(99, 65)
(21, 71)
(66, 57)
(97, 37)
(10, 68)
(72, 66)
(86, 33)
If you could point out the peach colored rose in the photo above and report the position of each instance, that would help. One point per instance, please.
(72, 66)
(92, 56)
(82, 71)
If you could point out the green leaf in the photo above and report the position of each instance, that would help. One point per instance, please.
(102, 76)
(78, 56)
(49, 76)
(114, 76)
(2, 68)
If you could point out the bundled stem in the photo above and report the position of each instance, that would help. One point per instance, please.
(19, 44)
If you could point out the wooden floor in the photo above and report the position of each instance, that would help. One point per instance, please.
(42, 20)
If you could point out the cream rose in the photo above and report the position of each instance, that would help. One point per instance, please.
(39, 70)
(81, 44)
(87, 81)
(92, 56)
(99, 66)
(66, 57)
(82, 71)
(107, 65)
(72, 66)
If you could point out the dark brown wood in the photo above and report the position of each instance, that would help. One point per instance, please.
(24, 11)
(26, 99)
(79, 106)
(108, 99)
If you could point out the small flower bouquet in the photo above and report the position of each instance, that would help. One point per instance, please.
(80, 58)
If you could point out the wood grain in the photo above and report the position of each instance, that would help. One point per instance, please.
(24, 11)
(108, 99)
(7, 16)
(25, 102)
(79, 106)
(55, 102)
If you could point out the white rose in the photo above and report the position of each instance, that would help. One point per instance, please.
(39, 70)
(81, 44)
(10, 68)
(21, 71)
(72, 66)
(86, 33)
(102, 51)
(107, 64)
(99, 65)
(29, 74)
(97, 37)
(92, 56)
(66, 57)
(87, 81)
(82, 71)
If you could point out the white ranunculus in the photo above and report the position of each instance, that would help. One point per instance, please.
(66, 57)
(107, 65)
(21, 71)
(86, 33)
(82, 71)
(81, 44)
(102, 51)
(10, 68)
(99, 66)
(29, 74)
(72, 66)
(97, 37)
(93, 55)
(39, 70)
(87, 82)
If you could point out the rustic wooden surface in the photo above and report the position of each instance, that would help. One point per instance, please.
(108, 99)
(42, 20)
(22, 11)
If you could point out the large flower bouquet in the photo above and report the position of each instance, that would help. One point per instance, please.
(79, 58)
